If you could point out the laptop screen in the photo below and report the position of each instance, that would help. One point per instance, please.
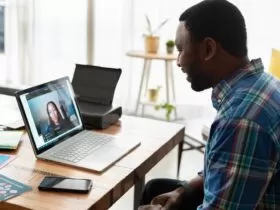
(51, 112)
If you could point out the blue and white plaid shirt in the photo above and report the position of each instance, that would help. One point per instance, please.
(242, 163)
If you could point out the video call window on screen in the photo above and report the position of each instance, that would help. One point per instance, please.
(53, 111)
(58, 120)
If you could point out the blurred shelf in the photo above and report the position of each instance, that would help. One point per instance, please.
(150, 103)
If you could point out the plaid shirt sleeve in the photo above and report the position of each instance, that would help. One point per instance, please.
(240, 160)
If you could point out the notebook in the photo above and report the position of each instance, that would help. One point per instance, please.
(57, 132)
(10, 139)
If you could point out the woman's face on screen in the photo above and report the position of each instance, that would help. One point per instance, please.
(53, 113)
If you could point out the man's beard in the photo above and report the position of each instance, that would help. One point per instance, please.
(198, 80)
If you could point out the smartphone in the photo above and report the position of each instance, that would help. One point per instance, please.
(65, 184)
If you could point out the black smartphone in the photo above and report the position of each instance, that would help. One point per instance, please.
(65, 184)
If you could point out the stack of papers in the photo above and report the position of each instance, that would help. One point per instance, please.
(10, 139)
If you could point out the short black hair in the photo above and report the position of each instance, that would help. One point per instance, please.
(220, 20)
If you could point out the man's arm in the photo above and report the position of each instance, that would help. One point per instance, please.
(240, 161)
(191, 193)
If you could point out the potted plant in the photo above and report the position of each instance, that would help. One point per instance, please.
(170, 46)
(168, 108)
(153, 94)
(151, 39)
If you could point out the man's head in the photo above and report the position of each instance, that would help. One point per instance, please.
(211, 39)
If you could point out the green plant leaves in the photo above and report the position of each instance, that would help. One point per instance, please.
(168, 107)
(170, 43)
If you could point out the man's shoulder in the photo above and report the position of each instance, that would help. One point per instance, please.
(262, 90)
(258, 102)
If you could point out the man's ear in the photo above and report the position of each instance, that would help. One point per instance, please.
(210, 48)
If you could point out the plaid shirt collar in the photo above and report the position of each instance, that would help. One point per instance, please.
(222, 89)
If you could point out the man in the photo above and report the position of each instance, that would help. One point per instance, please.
(241, 167)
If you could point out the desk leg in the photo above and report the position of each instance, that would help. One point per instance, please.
(180, 150)
(141, 84)
(138, 189)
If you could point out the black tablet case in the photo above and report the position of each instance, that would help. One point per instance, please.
(94, 87)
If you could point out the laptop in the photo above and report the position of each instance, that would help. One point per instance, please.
(57, 133)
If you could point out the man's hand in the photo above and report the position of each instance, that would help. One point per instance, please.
(151, 207)
(170, 199)
(174, 198)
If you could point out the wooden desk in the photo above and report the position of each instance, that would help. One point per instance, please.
(169, 77)
(108, 186)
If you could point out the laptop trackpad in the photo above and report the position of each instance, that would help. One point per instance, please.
(106, 155)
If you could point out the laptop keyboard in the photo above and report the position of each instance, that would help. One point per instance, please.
(84, 144)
